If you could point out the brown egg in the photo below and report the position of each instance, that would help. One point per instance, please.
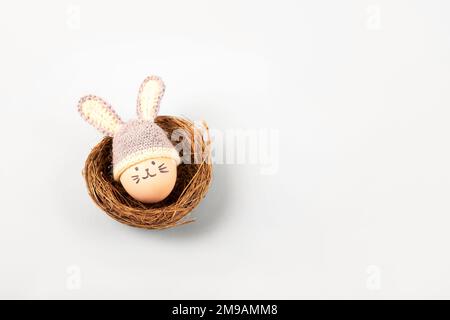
(150, 181)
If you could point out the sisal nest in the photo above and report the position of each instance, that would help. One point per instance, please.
(192, 184)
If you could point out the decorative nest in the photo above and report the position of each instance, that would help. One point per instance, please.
(192, 184)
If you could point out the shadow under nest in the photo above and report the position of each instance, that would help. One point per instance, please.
(192, 183)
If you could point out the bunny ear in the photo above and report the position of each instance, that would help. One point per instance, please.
(149, 97)
(99, 114)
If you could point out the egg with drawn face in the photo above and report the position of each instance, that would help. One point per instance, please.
(150, 181)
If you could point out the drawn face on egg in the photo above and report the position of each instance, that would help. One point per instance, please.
(150, 181)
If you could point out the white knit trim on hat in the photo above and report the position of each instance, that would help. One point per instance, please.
(142, 155)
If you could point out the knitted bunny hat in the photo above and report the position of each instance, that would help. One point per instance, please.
(137, 140)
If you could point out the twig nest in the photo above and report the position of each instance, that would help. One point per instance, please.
(193, 180)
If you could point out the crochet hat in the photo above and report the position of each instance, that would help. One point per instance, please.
(137, 140)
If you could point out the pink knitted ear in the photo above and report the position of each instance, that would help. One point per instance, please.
(99, 114)
(149, 98)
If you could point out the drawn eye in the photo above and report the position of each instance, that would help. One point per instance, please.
(137, 168)
(153, 162)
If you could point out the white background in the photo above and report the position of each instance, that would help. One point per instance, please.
(358, 91)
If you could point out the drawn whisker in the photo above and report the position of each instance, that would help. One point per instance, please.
(163, 171)
(163, 168)
(136, 178)
(161, 165)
